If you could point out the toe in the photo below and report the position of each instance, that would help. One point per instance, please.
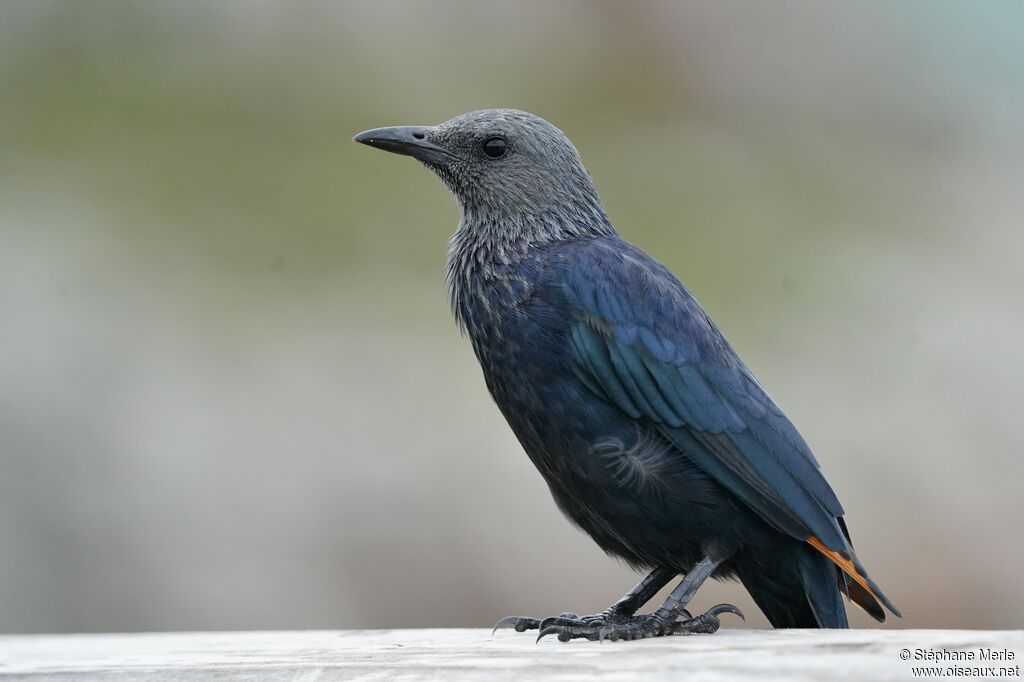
(517, 623)
(568, 632)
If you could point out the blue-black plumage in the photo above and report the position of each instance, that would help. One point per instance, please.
(651, 433)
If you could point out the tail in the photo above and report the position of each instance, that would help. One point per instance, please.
(800, 584)
(797, 588)
(854, 580)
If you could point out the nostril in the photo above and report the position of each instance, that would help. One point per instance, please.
(418, 136)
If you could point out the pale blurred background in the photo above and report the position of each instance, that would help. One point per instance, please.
(232, 396)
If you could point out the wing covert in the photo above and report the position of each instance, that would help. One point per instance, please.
(641, 341)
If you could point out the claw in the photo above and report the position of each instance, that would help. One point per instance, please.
(549, 622)
(723, 608)
(518, 623)
(549, 630)
(705, 623)
(569, 621)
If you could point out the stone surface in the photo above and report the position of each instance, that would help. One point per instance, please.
(477, 655)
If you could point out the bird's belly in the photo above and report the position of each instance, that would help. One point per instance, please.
(618, 479)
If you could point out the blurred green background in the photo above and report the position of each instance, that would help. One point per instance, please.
(231, 395)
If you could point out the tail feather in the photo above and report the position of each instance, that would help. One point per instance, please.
(821, 590)
(799, 589)
(861, 597)
(862, 590)
(800, 584)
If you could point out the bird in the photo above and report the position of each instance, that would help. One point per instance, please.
(651, 433)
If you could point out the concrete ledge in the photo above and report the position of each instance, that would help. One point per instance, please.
(789, 655)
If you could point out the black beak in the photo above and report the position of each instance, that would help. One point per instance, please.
(408, 140)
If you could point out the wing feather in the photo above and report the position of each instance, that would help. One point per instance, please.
(640, 339)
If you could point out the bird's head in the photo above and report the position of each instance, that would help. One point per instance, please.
(500, 163)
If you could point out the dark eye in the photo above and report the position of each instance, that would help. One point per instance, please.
(495, 147)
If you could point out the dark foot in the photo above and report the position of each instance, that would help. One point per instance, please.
(634, 627)
(524, 623)
(706, 623)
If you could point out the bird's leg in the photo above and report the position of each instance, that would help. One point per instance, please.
(664, 621)
(637, 597)
(620, 610)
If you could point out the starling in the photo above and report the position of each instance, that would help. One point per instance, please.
(651, 433)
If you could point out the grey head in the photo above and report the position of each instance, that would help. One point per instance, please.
(505, 167)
